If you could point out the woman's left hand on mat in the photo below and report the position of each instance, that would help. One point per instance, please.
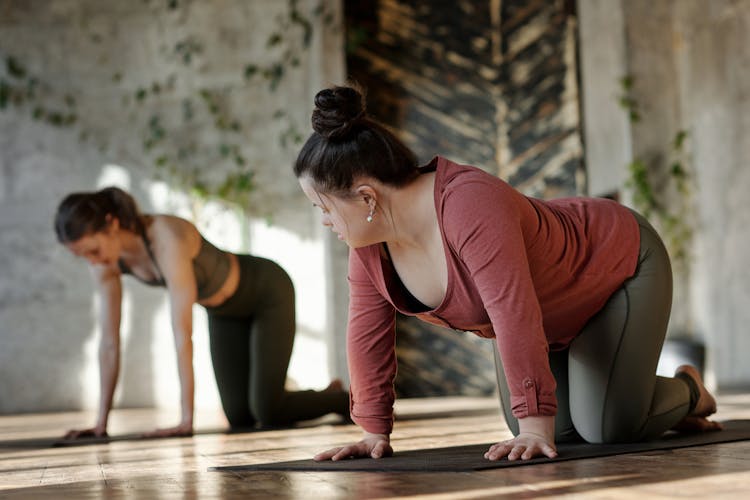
(524, 446)
(371, 445)
(177, 431)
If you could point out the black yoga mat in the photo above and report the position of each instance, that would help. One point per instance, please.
(55, 442)
(89, 440)
(469, 458)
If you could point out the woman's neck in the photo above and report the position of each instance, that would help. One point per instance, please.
(130, 245)
(413, 213)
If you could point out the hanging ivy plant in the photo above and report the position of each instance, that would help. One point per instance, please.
(672, 214)
(212, 162)
(19, 89)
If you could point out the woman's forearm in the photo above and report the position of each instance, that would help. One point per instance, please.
(187, 379)
(109, 368)
(110, 295)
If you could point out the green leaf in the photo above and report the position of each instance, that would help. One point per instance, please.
(4, 93)
(275, 73)
(250, 71)
(677, 170)
(56, 118)
(31, 86)
(273, 40)
(306, 26)
(627, 82)
(187, 110)
(200, 190)
(14, 67)
(679, 140)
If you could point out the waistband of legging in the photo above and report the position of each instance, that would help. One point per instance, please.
(244, 296)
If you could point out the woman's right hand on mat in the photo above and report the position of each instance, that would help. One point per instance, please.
(535, 439)
(372, 445)
(524, 446)
(82, 433)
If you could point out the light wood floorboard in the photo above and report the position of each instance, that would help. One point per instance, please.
(177, 468)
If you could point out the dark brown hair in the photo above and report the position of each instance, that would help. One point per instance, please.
(81, 214)
(346, 144)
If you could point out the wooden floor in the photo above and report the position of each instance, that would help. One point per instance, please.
(177, 468)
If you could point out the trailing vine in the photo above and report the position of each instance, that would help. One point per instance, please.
(667, 204)
(19, 88)
(199, 144)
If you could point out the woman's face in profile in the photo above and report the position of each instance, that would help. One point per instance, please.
(345, 217)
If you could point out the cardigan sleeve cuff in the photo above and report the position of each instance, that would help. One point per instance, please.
(374, 418)
(532, 403)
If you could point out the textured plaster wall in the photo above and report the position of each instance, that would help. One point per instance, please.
(48, 334)
(691, 64)
(714, 63)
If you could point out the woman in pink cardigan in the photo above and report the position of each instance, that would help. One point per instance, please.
(576, 292)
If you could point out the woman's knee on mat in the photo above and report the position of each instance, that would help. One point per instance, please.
(270, 412)
(239, 416)
(616, 428)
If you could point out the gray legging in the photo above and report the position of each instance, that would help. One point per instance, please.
(607, 388)
(251, 336)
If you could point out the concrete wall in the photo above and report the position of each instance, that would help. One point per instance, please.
(690, 60)
(91, 59)
(713, 41)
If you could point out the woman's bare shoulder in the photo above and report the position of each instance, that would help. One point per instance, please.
(171, 232)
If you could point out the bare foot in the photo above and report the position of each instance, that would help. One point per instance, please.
(706, 404)
(697, 424)
(335, 385)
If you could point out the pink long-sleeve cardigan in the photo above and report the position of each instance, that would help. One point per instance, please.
(529, 273)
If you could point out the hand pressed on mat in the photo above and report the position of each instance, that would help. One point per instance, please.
(86, 433)
(183, 430)
(536, 438)
(371, 445)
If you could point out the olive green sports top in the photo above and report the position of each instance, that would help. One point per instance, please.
(211, 267)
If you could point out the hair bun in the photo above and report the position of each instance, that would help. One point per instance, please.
(337, 111)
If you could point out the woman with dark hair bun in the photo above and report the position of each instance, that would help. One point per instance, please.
(249, 301)
(576, 292)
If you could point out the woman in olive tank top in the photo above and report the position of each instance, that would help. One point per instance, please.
(249, 301)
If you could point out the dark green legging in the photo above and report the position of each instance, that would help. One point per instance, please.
(251, 337)
(607, 388)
